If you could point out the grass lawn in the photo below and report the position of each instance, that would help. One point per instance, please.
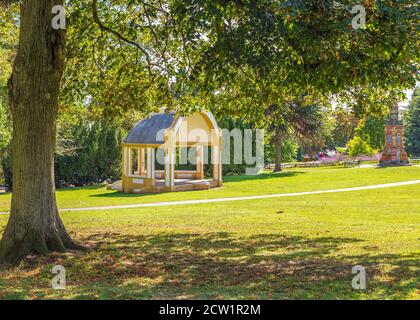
(291, 180)
(281, 248)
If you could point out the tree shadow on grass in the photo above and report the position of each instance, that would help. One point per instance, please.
(222, 265)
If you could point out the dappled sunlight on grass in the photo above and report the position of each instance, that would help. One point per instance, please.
(211, 265)
(282, 248)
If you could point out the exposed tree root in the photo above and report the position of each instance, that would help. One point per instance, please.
(13, 249)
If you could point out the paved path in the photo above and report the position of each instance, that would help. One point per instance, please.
(185, 202)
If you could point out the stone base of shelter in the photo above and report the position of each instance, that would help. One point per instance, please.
(158, 186)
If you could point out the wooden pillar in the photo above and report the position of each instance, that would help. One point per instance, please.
(220, 158)
(141, 159)
(130, 162)
(215, 162)
(216, 154)
(151, 164)
(169, 161)
(200, 162)
(124, 169)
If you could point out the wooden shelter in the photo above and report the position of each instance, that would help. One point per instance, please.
(163, 133)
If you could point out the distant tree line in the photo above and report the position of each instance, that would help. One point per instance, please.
(412, 123)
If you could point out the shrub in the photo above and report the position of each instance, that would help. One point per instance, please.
(92, 156)
(341, 150)
(357, 146)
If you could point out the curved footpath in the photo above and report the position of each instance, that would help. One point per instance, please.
(185, 202)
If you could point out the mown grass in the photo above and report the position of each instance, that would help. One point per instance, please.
(291, 180)
(283, 248)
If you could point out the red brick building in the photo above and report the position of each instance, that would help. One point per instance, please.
(394, 153)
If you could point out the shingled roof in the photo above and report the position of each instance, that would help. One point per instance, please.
(146, 131)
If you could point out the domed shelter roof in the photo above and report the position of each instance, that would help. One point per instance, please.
(151, 131)
(147, 131)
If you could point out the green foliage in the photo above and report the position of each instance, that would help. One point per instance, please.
(371, 130)
(227, 122)
(289, 151)
(368, 137)
(250, 53)
(347, 126)
(357, 147)
(91, 153)
(412, 122)
(6, 167)
(117, 57)
(5, 141)
(309, 46)
(5, 127)
(341, 150)
(344, 124)
(8, 42)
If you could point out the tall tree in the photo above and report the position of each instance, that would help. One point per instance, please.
(34, 223)
(303, 122)
(131, 59)
(345, 123)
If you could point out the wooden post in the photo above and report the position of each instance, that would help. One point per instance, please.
(215, 161)
(130, 162)
(141, 158)
(143, 161)
(216, 155)
(169, 161)
(151, 163)
(124, 169)
(200, 162)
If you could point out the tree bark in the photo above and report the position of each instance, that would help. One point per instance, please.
(278, 139)
(34, 224)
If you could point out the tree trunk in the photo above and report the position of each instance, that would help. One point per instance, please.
(278, 143)
(34, 224)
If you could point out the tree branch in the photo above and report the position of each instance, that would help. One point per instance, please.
(119, 35)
